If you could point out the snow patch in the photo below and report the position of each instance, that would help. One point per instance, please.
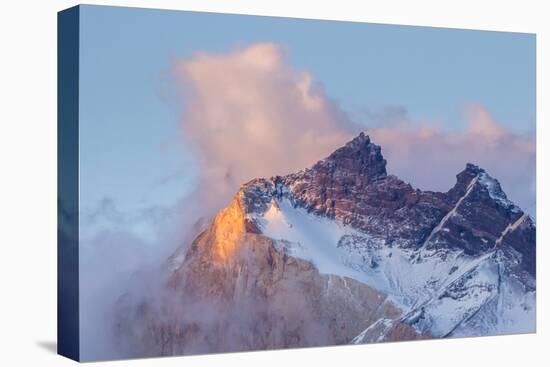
(308, 237)
(495, 191)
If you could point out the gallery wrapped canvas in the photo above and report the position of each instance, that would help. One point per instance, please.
(232, 183)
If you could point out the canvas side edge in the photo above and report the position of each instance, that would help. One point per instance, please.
(68, 325)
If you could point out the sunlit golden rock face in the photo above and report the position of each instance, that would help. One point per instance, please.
(228, 226)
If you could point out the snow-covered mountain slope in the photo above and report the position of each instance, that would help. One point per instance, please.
(440, 292)
(342, 252)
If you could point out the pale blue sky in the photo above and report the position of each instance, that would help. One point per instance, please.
(131, 148)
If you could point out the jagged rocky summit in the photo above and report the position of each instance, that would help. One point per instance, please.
(340, 253)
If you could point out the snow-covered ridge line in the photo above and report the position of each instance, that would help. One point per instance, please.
(448, 216)
(511, 227)
(387, 323)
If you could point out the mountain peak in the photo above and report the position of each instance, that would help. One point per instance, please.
(470, 167)
(474, 174)
(359, 157)
(467, 175)
(362, 138)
